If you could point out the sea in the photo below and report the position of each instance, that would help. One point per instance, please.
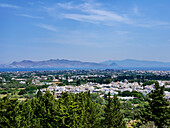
(57, 69)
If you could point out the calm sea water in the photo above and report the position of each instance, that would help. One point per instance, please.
(53, 69)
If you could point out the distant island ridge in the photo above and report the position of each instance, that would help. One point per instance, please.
(63, 63)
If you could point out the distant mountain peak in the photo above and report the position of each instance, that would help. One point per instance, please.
(26, 61)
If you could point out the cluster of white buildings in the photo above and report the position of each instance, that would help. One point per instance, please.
(113, 88)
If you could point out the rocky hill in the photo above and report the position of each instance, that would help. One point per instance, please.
(54, 63)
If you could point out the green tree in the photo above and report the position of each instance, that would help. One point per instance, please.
(27, 115)
(113, 115)
(22, 92)
(107, 81)
(78, 82)
(126, 93)
(68, 112)
(136, 94)
(45, 110)
(158, 108)
(148, 83)
(10, 113)
(148, 125)
(91, 116)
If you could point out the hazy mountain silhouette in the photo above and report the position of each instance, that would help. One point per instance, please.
(54, 63)
(136, 63)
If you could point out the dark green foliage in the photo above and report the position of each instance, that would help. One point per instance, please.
(61, 84)
(39, 87)
(45, 86)
(46, 110)
(31, 91)
(70, 111)
(126, 93)
(95, 97)
(30, 88)
(136, 94)
(133, 93)
(148, 83)
(113, 115)
(127, 109)
(39, 93)
(4, 92)
(135, 101)
(158, 108)
(22, 92)
(27, 115)
(167, 89)
(9, 113)
(100, 80)
(78, 82)
(107, 81)
(82, 110)
(91, 112)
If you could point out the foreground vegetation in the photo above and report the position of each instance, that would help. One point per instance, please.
(83, 110)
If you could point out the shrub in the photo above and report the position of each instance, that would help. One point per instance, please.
(4, 92)
(22, 92)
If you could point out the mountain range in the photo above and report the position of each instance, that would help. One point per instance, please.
(53, 63)
(136, 63)
(63, 63)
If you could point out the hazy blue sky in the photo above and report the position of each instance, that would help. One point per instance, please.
(86, 30)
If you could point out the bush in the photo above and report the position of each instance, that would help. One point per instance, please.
(4, 92)
(167, 89)
(148, 83)
(135, 101)
(126, 93)
(136, 94)
(22, 92)
(31, 92)
(148, 125)
(29, 88)
(39, 87)
(10, 91)
(60, 84)
(45, 86)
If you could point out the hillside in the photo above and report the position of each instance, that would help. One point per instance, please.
(54, 63)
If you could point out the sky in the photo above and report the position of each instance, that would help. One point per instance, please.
(85, 30)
